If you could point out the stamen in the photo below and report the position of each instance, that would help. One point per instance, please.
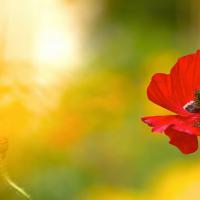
(197, 125)
(197, 97)
(194, 106)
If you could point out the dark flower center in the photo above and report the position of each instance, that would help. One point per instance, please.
(197, 125)
(194, 106)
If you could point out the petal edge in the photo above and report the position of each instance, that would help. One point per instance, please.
(185, 142)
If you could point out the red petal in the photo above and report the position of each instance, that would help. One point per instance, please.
(173, 91)
(186, 143)
(159, 123)
(179, 123)
(185, 78)
(160, 92)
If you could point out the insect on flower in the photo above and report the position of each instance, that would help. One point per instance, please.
(178, 92)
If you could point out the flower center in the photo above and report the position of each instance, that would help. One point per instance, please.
(197, 125)
(194, 106)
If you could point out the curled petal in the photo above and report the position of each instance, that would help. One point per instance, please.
(178, 123)
(158, 123)
(181, 130)
(186, 143)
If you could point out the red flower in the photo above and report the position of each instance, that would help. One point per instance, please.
(178, 92)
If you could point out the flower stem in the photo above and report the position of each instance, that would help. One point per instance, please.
(12, 184)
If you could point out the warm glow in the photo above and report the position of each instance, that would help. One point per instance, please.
(42, 40)
(56, 41)
(55, 47)
(43, 34)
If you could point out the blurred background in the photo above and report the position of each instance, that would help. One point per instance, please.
(73, 81)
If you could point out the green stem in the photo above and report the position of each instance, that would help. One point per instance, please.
(13, 185)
